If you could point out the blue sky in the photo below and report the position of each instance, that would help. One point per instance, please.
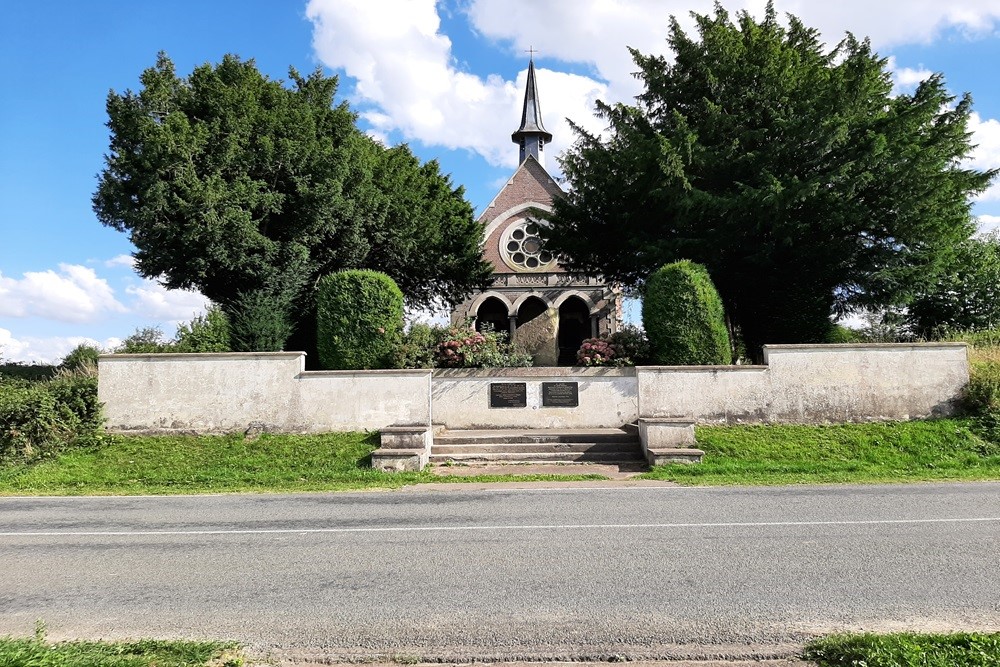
(447, 77)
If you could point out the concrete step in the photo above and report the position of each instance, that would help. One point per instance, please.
(529, 458)
(525, 436)
(535, 447)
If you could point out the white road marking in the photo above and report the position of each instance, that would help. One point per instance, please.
(426, 529)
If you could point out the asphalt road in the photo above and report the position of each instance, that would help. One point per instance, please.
(458, 572)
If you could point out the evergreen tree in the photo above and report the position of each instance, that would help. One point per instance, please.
(249, 191)
(790, 171)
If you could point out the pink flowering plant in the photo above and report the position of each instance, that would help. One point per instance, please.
(626, 347)
(463, 347)
(597, 352)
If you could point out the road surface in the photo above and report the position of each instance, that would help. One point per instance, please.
(456, 572)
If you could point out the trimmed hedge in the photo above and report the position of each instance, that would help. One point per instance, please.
(359, 317)
(683, 317)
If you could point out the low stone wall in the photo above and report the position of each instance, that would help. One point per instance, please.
(219, 393)
(813, 383)
(607, 398)
(214, 393)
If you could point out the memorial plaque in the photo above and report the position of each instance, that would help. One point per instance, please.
(508, 395)
(560, 394)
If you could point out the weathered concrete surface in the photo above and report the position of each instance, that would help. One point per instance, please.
(538, 338)
(217, 393)
(801, 384)
(813, 383)
(461, 398)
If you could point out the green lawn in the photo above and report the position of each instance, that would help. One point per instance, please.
(146, 653)
(885, 452)
(784, 454)
(133, 465)
(906, 650)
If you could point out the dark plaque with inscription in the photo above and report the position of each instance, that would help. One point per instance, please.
(508, 395)
(560, 394)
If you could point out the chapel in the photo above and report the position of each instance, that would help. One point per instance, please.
(546, 310)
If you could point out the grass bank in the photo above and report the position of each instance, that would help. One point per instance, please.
(136, 465)
(947, 449)
(943, 449)
(906, 650)
(146, 653)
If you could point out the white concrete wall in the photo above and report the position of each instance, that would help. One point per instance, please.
(460, 398)
(217, 393)
(813, 383)
(213, 393)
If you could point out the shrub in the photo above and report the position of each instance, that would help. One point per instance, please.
(463, 347)
(260, 321)
(626, 347)
(683, 317)
(83, 355)
(359, 317)
(205, 333)
(145, 340)
(29, 420)
(38, 419)
(27, 372)
(598, 352)
(417, 347)
(631, 344)
(840, 334)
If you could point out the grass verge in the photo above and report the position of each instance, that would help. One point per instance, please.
(906, 650)
(146, 653)
(943, 449)
(138, 465)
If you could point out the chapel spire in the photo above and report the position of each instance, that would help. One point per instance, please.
(532, 135)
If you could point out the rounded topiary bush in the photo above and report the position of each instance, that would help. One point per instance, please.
(683, 317)
(359, 317)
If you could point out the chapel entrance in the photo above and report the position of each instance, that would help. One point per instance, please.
(574, 328)
(530, 309)
(492, 312)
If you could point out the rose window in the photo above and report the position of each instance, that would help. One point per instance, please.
(522, 248)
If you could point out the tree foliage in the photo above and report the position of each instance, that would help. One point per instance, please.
(683, 317)
(966, 295)
(789, 170)
(205, 333)
(231, 183)
(360, 320)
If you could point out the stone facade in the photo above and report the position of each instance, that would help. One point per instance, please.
(528, 282)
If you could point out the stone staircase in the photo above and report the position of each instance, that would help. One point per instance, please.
(536, 446)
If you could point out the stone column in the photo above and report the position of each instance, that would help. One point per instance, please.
(594, 325)
(512, 325)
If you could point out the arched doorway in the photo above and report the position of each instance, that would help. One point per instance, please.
(530, 309)
(492, 312)
(574, 328)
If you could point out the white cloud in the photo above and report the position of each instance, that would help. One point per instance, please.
(121, 260)
(152, 300)
(403, 65)
(986, 155)
(74, 294)
(989, 223)
(905, 79)
(45, 350)
(407, 76)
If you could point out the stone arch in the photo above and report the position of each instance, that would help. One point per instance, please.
(515, 307)
(529, 308)
(474, 306)
(492, 311)
(583, 296)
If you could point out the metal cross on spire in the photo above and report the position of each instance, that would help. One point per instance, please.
(531, 52)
